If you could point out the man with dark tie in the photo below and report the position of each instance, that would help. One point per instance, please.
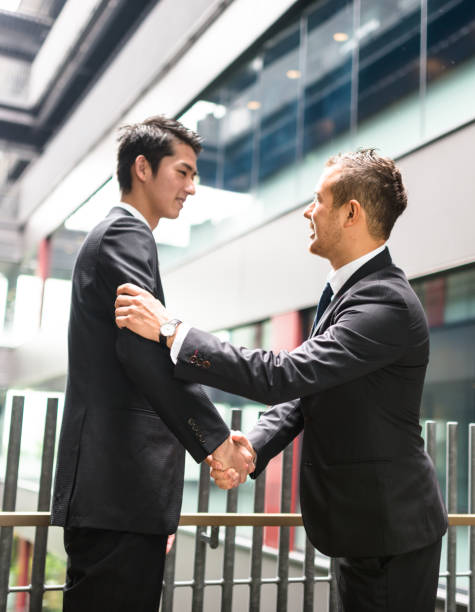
(127, 421)
(368, 490)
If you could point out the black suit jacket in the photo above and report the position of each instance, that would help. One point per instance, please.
(367, 487)
(126, 422)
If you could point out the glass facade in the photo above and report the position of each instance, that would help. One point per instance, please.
(338, 75)
(342, 75)
(449, 390)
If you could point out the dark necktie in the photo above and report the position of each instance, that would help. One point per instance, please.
(325, 299)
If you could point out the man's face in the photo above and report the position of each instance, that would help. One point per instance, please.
(325, 220)
(173, 183)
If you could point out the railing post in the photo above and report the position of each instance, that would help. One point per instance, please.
(451, 501)
(44, 498)
(9, 495)
(471, 510)
(309, 572)
(200, 543)
(230, 535)
(431, 440)
(284, 532)
(333, 605)
(256, 550)
(169, 579)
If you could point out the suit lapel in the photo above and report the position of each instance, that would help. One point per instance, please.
(380, 261)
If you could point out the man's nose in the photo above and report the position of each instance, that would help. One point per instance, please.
(307, 213)
(191, 188)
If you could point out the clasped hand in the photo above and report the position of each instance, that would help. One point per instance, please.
(232, 461)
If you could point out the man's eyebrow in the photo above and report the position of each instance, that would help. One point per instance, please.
(190, 168)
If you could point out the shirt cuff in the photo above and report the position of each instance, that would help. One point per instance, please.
(180, 336)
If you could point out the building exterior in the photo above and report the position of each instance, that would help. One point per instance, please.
(275, 87)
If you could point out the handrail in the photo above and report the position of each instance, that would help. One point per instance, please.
(227, 519)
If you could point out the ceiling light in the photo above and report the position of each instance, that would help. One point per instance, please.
(253, 104)
(340, 36)
(293, 74)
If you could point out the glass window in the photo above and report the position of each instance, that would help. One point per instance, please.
(341, 75)
(449, 390)
(238, 98)
(450, 64)
(279, 90)
(388, 80)
(328, 75)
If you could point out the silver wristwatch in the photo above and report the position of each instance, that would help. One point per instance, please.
(168, 329)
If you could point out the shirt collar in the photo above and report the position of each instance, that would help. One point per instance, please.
(337, 278)
(133, 211)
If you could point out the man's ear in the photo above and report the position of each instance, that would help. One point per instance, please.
(140, 168)
(353, 212)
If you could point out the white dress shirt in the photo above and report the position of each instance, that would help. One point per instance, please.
(336, 278)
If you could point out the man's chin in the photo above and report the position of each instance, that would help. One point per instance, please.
(313, 248)
(172, 215)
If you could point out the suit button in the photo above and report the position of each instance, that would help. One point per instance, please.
(206, 363)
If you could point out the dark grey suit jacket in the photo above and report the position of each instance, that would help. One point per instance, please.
(126, 422)
(367, 487)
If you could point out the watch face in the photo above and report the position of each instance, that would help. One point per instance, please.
(167, 329)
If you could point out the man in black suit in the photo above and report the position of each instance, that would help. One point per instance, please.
(127, 421)
(369, 493)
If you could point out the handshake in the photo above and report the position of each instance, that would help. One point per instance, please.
(232, 461)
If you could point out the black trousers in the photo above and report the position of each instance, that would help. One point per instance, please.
(113, 571)
(402, 583)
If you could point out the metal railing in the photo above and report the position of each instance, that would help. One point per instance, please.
(229, 520)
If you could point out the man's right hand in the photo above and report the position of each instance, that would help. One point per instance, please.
(232, 461)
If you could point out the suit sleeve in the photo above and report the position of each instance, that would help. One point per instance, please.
(126, 254)
(370, 331)
(274, 431)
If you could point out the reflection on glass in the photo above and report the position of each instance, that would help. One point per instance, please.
(450, 64)
(449, 389)
(279, 87)
(389, 75)
(328, 73)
